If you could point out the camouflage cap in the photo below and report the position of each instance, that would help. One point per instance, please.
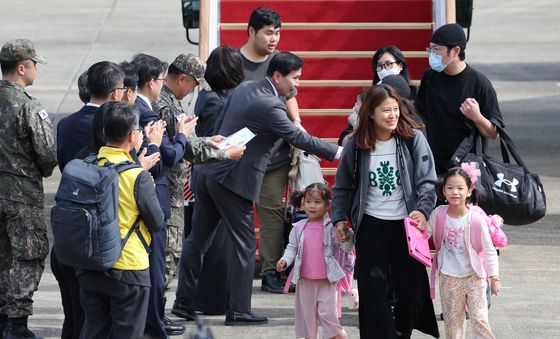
(19, 50)
(193, 66)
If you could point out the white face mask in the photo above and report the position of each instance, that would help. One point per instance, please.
(393, 71)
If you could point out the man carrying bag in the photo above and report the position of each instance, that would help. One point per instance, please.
(454, 98)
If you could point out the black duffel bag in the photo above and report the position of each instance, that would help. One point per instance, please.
(507, 189)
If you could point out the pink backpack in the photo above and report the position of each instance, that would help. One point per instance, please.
(494, 223)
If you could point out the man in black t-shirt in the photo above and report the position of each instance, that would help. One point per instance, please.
(453, 97)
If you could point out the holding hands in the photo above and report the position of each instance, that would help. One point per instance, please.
(420, 219)
(281, 265)
(342, 232)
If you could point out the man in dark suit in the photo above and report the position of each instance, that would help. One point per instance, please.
(226, 191)
(151, 76)
(105, 83)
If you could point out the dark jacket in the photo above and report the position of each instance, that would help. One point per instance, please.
(253, 104)
(417, 173)
(208, 107)
(74, 133)
(171, 153)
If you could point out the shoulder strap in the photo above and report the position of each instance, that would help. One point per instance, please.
(409, 144)
(357, 158)
(92, 158)
(440, 222)
(121, 167)
(136, 228)
(298, 230)
(125, 165)
(475, 228)
(437, 236)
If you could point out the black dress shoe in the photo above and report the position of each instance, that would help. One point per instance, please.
(272, 283)
(172, 328)
(244, 319)
(21, 331)
(184, 312)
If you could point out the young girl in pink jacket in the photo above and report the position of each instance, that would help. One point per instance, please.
(465, 254)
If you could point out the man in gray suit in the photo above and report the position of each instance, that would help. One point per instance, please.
(227, 190)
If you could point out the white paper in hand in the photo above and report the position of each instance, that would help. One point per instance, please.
(238, 138)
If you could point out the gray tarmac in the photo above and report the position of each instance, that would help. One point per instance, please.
(515, 43)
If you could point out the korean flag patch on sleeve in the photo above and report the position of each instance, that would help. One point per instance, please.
(43, 114)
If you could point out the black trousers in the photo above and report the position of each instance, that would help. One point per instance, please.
(215, 203)
(156, 306)
(113, 309)
(70, 295)
(378, 244)
(212, 288)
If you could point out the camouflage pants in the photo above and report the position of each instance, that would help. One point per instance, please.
(175, 228)
(24, 244)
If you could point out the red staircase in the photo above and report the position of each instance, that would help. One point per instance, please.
(336, 39)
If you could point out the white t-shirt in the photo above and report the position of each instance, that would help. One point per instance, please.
(385, 198)
(456, 261)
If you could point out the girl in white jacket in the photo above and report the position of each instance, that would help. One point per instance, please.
(316, 269)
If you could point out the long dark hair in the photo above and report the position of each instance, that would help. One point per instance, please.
(365, 132)
(442, 180)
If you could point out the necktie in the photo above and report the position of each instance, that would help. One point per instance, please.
(189, 196)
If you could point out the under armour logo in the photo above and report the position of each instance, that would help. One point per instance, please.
(512, 184)
(76, 192)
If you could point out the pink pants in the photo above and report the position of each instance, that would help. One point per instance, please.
(458, 295)
(316, 305)
(344, 286)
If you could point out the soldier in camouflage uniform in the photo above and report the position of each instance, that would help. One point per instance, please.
(27, 154)
(183, 75)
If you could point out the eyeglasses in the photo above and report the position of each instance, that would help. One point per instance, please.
(387, 65)
(121, 88)
(162, 79)
(436, 50)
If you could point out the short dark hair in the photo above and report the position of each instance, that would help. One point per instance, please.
(461, 53)
(285, 63)
(130, 75)
(261, 17)
(9, 67)
(103, 78)
(83, 90)
(399, 57)
(119, 120)
(148, 68)
(224, 68)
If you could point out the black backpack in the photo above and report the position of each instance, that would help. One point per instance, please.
(85, 218)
